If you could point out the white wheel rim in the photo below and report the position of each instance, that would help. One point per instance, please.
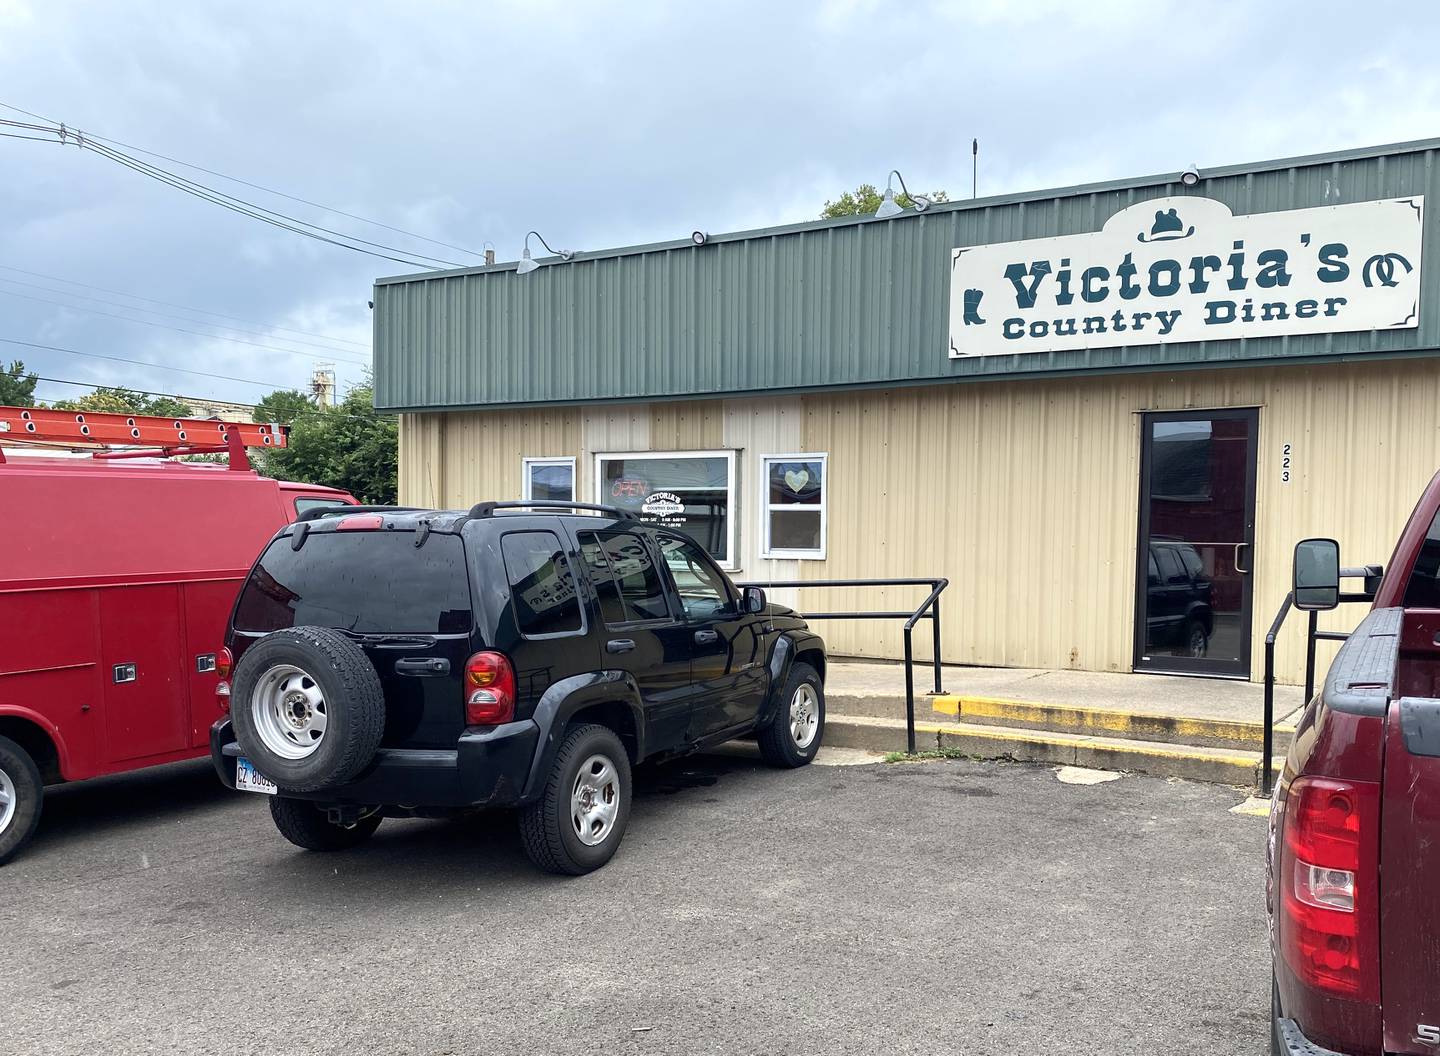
(595, 800)
(804, 715)
(7, 801)
(289, 712)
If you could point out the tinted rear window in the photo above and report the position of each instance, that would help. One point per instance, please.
(542, 588)
(371, 582)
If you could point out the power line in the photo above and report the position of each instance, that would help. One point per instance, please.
(143, 363)
(182, 330)
(182, 307)
(259, 187)
(151, 311)
(241, 206)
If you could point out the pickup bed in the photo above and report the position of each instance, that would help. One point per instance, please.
(1354, 850)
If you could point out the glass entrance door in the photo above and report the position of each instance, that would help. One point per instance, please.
(1197, 535)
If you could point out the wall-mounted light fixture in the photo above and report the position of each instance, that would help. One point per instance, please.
(889, 206)
(1190, 177)
(528, 264)
(699, 237)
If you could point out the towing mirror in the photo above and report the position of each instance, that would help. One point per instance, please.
(1317, 575)
(752, 601)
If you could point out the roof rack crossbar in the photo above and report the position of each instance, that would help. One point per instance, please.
(342, 511)
(487, 509)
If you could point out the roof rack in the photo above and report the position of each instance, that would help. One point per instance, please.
(171, 436)
(487, 509)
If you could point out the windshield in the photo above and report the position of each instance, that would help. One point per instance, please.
(368, 582)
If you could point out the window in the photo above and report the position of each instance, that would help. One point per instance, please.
(625, 577)
(548, 478)
(304, 505)
(692, 492)
(793, 506)
(704, 591)
(1422, 591)
(366, 582)
(542, 587)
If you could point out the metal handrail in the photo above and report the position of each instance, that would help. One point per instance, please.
(1313, 634)
(929, 609)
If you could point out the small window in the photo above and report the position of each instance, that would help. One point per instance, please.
(621, 559)
(691, 492)
(704, 591)
(305, 505)
(549, 478)
(793, 506)
(542, 587)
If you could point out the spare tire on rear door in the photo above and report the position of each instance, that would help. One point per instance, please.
(307, 708)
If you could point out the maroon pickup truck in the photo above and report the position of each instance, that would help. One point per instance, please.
(1354, 852)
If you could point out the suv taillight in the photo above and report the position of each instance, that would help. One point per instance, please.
(489, 689)
(1328, 886)
(224, 663)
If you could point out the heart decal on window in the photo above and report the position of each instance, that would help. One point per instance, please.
(797, 479)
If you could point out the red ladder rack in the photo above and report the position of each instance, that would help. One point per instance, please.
(168, 436)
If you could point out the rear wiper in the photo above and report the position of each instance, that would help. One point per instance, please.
(391, 639)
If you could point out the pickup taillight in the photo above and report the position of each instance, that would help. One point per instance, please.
(1329, 880)
(489, 689)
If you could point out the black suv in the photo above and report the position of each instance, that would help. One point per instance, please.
(414, 663)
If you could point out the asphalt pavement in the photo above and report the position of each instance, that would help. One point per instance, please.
(944, 907)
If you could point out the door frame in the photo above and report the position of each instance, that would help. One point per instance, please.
(1184, 665)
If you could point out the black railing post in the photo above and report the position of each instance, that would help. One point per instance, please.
(909, 697)
(1268, 752)
(1310, 655)
(936, 630)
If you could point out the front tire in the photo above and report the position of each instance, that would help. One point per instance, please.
(22, 793)
(793, 736)
(306, 825)
(577, 824)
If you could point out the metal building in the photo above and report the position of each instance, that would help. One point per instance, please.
(1105, 412)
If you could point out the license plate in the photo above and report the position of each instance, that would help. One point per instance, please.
(248, 779)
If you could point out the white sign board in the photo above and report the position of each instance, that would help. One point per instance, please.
(1185, 269)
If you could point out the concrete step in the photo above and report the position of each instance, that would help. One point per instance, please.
(1113, 723)
(1216, 765)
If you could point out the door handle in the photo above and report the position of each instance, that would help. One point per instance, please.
(620, 645)
(1242, 571)
(422, 666)
(707, 637)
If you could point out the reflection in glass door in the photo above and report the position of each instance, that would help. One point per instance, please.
(1197, 534)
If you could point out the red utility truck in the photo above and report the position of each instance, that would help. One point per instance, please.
(1354, 853)
(117, 576)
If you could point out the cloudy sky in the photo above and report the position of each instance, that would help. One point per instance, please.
(597, 124)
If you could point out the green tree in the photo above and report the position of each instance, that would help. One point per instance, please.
(113, 399)
(17, 386)
(283, 406)
(865, 199)
(349, 446)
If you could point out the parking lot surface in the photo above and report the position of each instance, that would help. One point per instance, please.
(940, 907)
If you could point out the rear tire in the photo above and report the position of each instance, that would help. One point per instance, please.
(306, 825)
(577, 824)
(307, 708)
(22, 794)
(794, 734)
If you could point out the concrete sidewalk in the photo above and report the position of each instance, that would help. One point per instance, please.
(1199, 728)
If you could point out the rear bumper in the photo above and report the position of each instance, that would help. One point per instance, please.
(486, 768)
(1289, 1041)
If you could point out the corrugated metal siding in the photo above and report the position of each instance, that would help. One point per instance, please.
(826, 305)
(1024, 495)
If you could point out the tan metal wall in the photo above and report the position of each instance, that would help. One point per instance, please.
(1024, 494)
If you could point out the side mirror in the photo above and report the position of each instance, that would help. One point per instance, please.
(752, 601)
(1317, 575)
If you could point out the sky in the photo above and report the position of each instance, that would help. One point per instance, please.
(597, 125)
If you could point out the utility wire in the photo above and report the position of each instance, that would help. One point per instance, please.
(182, 307)
(182, 330)
(259, 187)
(151, 311)
(245, 208)
(144, 363)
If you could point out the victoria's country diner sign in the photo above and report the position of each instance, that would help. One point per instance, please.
(1185, 269)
